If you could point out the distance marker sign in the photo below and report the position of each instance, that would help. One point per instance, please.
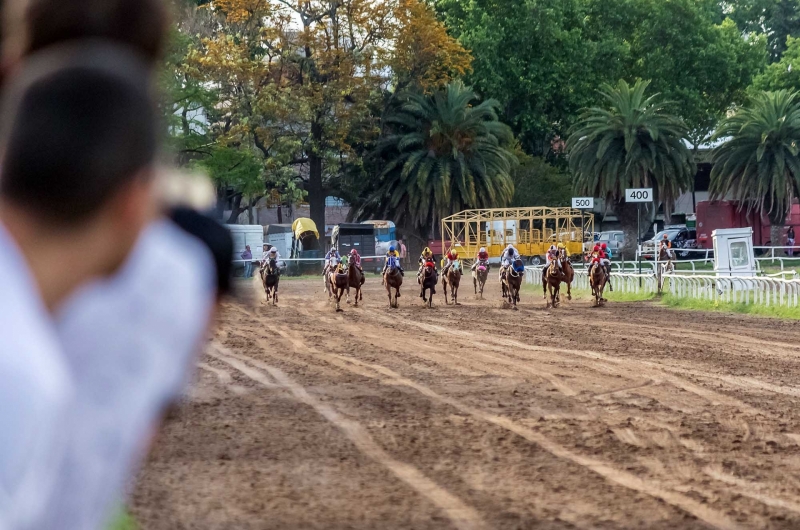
(583, 203)
(639, 195)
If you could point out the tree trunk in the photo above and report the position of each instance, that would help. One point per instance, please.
(236, 209)
(627, 215)
(316, 194)
(777, 219)
(280, 214)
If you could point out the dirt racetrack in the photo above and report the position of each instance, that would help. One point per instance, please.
(477, 417)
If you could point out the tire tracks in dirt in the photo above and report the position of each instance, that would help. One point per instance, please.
(462, 516)
(605, 470)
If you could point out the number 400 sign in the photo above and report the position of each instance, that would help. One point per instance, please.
(639, 195)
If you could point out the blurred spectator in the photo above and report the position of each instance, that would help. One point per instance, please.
(247, 256)
(403, 252)
(790, 241)
(78, 138)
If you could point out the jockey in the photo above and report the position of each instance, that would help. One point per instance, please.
(355, 259)
(552, 255)
(427, 255)
(481, 258)
(450, 257)
(396, 255)
(510, 255)
(271, 253)
(666, 244)
(331, 260)
(605, 261)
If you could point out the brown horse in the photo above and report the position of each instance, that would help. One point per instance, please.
(598, 280)
(356, 280)
(393, 280)
(270, 277)
(569, 272)
(339, 282)
(512, 283)
(665, 255)
(453, 279)
(552, 277)
(427, 282)
(479, 277)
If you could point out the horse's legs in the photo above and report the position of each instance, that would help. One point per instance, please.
(444, 286)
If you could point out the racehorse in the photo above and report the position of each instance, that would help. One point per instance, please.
(479, 277)
(339, 282)
(569, 272)
(552, 277)
(452, 278)
(664, 254)
(393, 280)
(355, 279)
(270, 277)
(428, 282)
(598, 280)
(512, 282)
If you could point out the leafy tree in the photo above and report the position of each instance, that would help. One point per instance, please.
(633, 142)
(777, 19)
(760, 164)
(538, 183)
(532, 56)
(784, 74)
(447, 152)
(544, 59)
(692, 57)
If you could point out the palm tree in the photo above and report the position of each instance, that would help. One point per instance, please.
(633, 142)
(447, 152)
(759, 166)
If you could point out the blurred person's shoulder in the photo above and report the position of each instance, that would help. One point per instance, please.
(154, 308)
(34, 388)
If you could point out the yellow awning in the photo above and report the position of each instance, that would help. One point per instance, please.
(303, 225)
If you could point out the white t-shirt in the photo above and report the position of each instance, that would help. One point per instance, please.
(130, 343)
(35, 391)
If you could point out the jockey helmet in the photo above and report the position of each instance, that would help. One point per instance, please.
(553, 247)
(596, 248)
(427, 251)
(274, 250)
(482, 251)
(604, 246)
(562, 245)
(453, 254)
(391, 249)
(353, 252)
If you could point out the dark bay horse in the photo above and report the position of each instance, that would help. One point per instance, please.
(512, 282)
(393, 280)
(356, 280)
(479, 277)
(598, 282)
(428, 281)
(270, 277)
(453, 279)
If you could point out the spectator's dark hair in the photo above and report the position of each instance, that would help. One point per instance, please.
(138, 24)
(215, 236)
(79, 126)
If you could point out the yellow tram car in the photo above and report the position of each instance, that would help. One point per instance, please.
(531, 230)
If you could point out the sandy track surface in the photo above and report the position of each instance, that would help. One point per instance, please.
(477, 417)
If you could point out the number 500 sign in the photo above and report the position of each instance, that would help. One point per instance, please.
(639, 195)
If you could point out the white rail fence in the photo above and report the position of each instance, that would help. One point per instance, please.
(769, 291)
(623, 282)
(763, 290)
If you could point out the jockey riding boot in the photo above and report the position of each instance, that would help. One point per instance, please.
(402, 273)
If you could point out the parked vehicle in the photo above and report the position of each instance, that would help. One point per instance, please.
(680, 238)
(244, 235)
(359, 236)
(385, 236)
(712, 215)
(614, 239)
